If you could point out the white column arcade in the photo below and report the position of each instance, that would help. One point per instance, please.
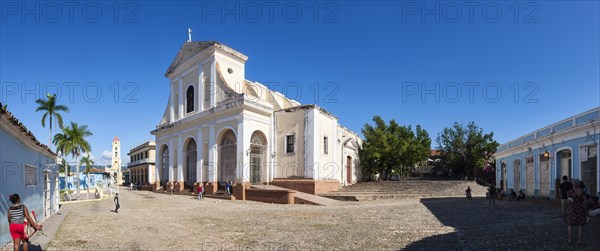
(243, 150)
(200, 98)
(213, 83)
(171, 159)
(212, 162)
(181, 98)
(172, 103)
(199, 156)
(180, 158)
(158, 162)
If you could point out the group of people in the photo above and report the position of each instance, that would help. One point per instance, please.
(573, 200)
(513, 196)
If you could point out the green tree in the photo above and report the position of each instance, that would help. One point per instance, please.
(393, 148)
(51, 111)
(88, 162)
(466, 150)
(72, 140)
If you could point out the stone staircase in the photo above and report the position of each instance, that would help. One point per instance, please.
(378, 190)
(300, 197)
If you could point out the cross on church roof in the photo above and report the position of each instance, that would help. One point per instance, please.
(189, 35)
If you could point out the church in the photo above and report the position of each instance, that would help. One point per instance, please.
(218, 127)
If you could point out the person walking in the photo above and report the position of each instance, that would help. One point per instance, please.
(468, 192)
(228, 187)
(17, 213)
(200, 190)
(564, 187)
(117, 205)
(492, 197)
(578, 213)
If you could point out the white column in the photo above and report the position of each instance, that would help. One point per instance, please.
(213, 83)
(171, 158)
(212, 153)
(199, 156)
(200, 98)
(181, 98)
(179, 158)
(242, 167)
(332, 144)
(158, 163)
(272, 142)
(172, 103)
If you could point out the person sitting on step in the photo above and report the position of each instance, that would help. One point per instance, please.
(521, 196)
(513, 195)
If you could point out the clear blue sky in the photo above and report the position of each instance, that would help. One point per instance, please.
(377, 57)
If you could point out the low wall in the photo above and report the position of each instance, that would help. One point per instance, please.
(307, 185)
(271, 196)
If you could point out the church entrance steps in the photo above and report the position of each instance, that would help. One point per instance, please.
(378, 190)
(299, 197)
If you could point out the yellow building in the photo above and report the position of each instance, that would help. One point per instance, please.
(141, 163)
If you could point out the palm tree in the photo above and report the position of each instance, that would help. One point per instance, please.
(73, 141)
(49, 105)
(61, 140)
(88, 162)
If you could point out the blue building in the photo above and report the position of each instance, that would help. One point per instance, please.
(97, 179)
(535, 162)
(27, 167)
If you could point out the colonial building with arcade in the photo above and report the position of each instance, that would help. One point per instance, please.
(535, 162)
(219, 126)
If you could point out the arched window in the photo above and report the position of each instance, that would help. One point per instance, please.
(190, 99)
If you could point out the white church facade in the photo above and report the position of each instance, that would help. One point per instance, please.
(220, 127)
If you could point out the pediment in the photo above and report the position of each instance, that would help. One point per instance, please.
(188, 50)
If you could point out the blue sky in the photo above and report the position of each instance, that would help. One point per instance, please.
(517, 65)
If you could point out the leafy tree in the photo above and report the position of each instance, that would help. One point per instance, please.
(88, 162)
(466, 150)
(49, 105)
(72, 140)
(392, 148)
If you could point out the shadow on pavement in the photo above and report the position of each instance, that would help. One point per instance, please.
(509, 225)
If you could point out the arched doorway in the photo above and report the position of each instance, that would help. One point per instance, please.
(529, 176)
(589, 173)
(164, 164)
(564, 163)
(517, 173)
(503, 176)
(227, 156)
(349, 170)
(205, 167)
(191, 157)
(544, 172)
(258, 150)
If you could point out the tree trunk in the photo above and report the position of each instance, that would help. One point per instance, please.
(77, 174)
(88, 183)
(66, 166)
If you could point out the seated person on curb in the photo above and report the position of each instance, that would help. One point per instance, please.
(513, 195)
(521, 196)
(501, 195)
